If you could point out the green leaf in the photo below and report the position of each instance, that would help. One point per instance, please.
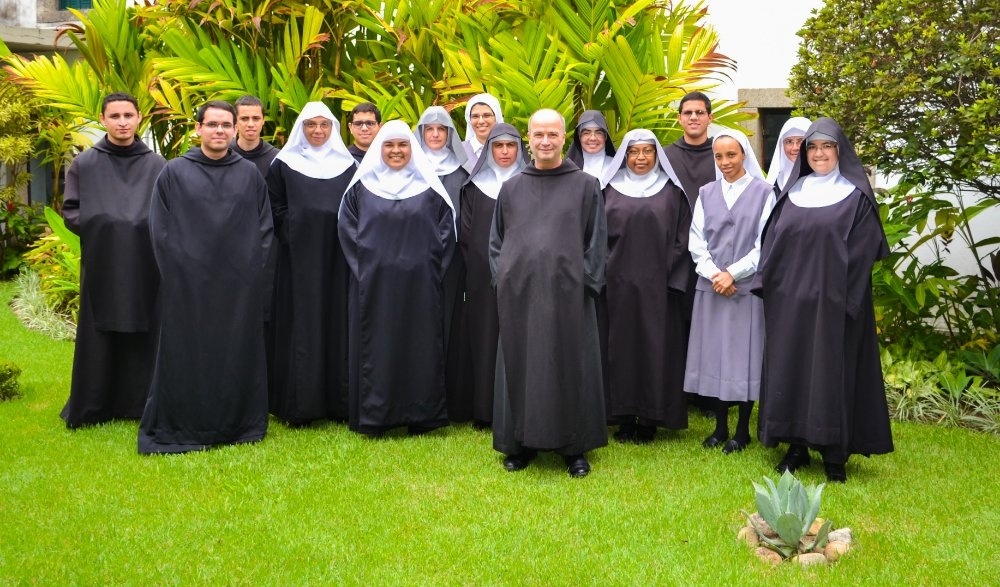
(789, 527)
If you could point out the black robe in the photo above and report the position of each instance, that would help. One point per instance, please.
(210, 222)
(357, 153)
(647, 277)
(261, 155)
(107, 204)
(693, 164)
(548, 248)
(822, 381)
(458, 370)
(308, 369)
(398, 252)
(483, 329)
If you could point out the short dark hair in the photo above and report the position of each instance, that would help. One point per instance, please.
(218, 104)
(119, 97)
(696, 96)
(248, 100)
(366, 107)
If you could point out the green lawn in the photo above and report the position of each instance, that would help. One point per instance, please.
(323, 506)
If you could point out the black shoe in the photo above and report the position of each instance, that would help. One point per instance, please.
(577, 465)
(644, 434)
(482, 425)
(626, 432)
(713, 441)
(796, 457)
(519, 461)
(835, 472)
(734, 445)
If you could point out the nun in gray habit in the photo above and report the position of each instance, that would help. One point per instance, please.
(643, 303)
(438, 138)
(822, 383)
(592, 149)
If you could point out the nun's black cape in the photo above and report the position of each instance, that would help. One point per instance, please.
(575, 151)
(647, 277)
(548, 248)
(308, 379)
(458, 368)
(822, 381)
(107, 204)
(261, 155)
(398, 251)
(210, 222)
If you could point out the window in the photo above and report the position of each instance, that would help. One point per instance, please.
(771, 121)
(78, 4)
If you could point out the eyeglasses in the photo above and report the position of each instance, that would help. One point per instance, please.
(647, 152)
(364, 124)
(217, 125)
(693, 113)
(312, 124)
(792, 141)
(591, 133)
(824, 146)
(485, 116)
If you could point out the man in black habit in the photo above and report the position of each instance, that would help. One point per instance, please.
(107, 204)
(547, 252)
(210, 223)
(248, 144)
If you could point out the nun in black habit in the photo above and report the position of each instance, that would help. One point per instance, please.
(107, 204)
(822, 385)
(503, 157)
(306, 182)
(643, 304)
(592, 149)
(437, 136)
(397, 229)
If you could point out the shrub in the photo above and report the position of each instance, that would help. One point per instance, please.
(30, 307)
(20, 226)
(789, 509)
(9, 387)
(56, 260)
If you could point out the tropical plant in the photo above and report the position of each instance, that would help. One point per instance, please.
(789, 509)
(56, 260)
(9, 387)
(20, 226)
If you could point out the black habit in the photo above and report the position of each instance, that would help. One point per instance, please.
(647, 277)
(309, 366)
(211, 226)
(693, 164)
(457, 367)
(107, 204)
(357, 153)
(398, 251)
(261, 155)
(548, 248)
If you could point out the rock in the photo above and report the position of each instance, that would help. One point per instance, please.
(811, 558)
(768, 555)
(834, 550)
(816, 525)
(748, 535)
(762, 526)
(842, 535)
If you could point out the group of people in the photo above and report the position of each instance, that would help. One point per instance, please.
(413, 279)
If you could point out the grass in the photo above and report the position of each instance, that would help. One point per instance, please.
(323, 506)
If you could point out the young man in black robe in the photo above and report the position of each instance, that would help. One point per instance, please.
(548, 248)
(248, 144)
(210, 223)
(364, 123)
(107, 204)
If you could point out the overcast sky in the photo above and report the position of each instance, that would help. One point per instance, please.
(761, 37)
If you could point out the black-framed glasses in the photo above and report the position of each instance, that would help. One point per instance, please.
(364, 124)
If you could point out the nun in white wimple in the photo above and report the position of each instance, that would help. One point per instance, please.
(397, 228)
(482, 113)
(592, 149)
(308, 335)
(439, 140)
(823, 387)
(647, 274)
(725, 348)
(502, 159)
(786, 151)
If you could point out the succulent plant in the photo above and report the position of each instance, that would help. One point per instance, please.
(790, 509)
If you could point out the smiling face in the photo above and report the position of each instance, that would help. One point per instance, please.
(504, 152)
(363, 128)
(121, 119)
(729, 158)
(435, 136)
(482, 119)
(546, 135)
(216, 130)
(822, 156)
(791, 147)
(317, 130)
(592, 140)
(396, 153)
(695, 118)
(640, 158)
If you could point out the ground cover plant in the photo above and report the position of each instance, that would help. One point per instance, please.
(325, 506)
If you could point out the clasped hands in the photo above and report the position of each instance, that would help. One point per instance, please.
(722, 284)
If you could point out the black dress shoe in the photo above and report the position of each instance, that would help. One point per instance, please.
(796, 457)
(577, 465)
(835, 472)
(519, 461)
(644, 434)
(712, 441)
(482, 425)
(734, 445)
(625, 432)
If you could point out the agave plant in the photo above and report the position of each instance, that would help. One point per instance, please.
(789, 508)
